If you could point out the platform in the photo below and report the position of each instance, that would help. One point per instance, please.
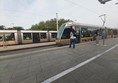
(24, 46)
(87, 63)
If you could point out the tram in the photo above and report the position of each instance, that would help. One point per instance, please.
(83, 32)
(10, 37)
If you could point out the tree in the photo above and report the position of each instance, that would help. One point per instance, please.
(16, 28)
(2, 27)
(48, 25)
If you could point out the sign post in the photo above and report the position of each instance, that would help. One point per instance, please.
(104, 31)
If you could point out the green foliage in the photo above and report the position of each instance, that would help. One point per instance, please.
(16, 28)
(48, 25)
(2, 27)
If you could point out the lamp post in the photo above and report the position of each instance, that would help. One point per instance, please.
(104, 31)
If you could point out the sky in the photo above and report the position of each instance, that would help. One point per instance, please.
(26, 13)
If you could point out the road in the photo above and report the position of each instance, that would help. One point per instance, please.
(26, 50)
(38, 66)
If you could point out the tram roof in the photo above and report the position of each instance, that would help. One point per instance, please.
(32, 31)
(82, 25)
(8, 31)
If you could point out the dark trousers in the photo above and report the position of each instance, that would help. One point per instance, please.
(72, 43)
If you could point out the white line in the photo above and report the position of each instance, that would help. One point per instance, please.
(75, 67)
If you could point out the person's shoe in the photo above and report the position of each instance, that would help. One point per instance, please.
(73, 47)
(97, 44)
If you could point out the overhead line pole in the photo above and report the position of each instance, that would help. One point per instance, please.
(116, 3)
(104, 32)
(57, 21)
(103, 20)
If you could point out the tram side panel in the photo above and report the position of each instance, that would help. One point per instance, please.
(8, 37)
(43, 36)
(19, 37)
(82, 34)
(52, 35)
(115, 33)
(87, 34)
(16, 38)
(1, 39)
(26, 37)
(35, 37)
(108, 33)
(11, 38)
(111, 33)
(65, 37)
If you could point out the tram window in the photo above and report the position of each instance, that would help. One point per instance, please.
(77, 32)
(66, 33)
(87, 32)
(9, 36)
(1, 37)
(60, 31)
(90, 33)
(83, 32)
(77, 29)
(54, 35)
(43, 35)
(109, 32)
(27, 36)
(115, 32)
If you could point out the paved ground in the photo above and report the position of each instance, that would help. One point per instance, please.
(102, 70)
(36, 67)
(24, 46)
(17, 53)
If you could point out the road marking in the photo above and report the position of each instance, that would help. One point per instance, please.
(75, 67)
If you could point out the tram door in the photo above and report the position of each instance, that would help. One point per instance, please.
(36, 38)
(76, 31)
(78, 35)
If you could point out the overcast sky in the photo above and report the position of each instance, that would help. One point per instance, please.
(28, 12)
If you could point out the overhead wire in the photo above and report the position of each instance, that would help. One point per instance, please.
(27, 14)
(30, 13)
(90, 10)
(81, 6)
(37, 15)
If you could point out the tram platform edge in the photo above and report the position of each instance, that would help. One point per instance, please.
(25, 46)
